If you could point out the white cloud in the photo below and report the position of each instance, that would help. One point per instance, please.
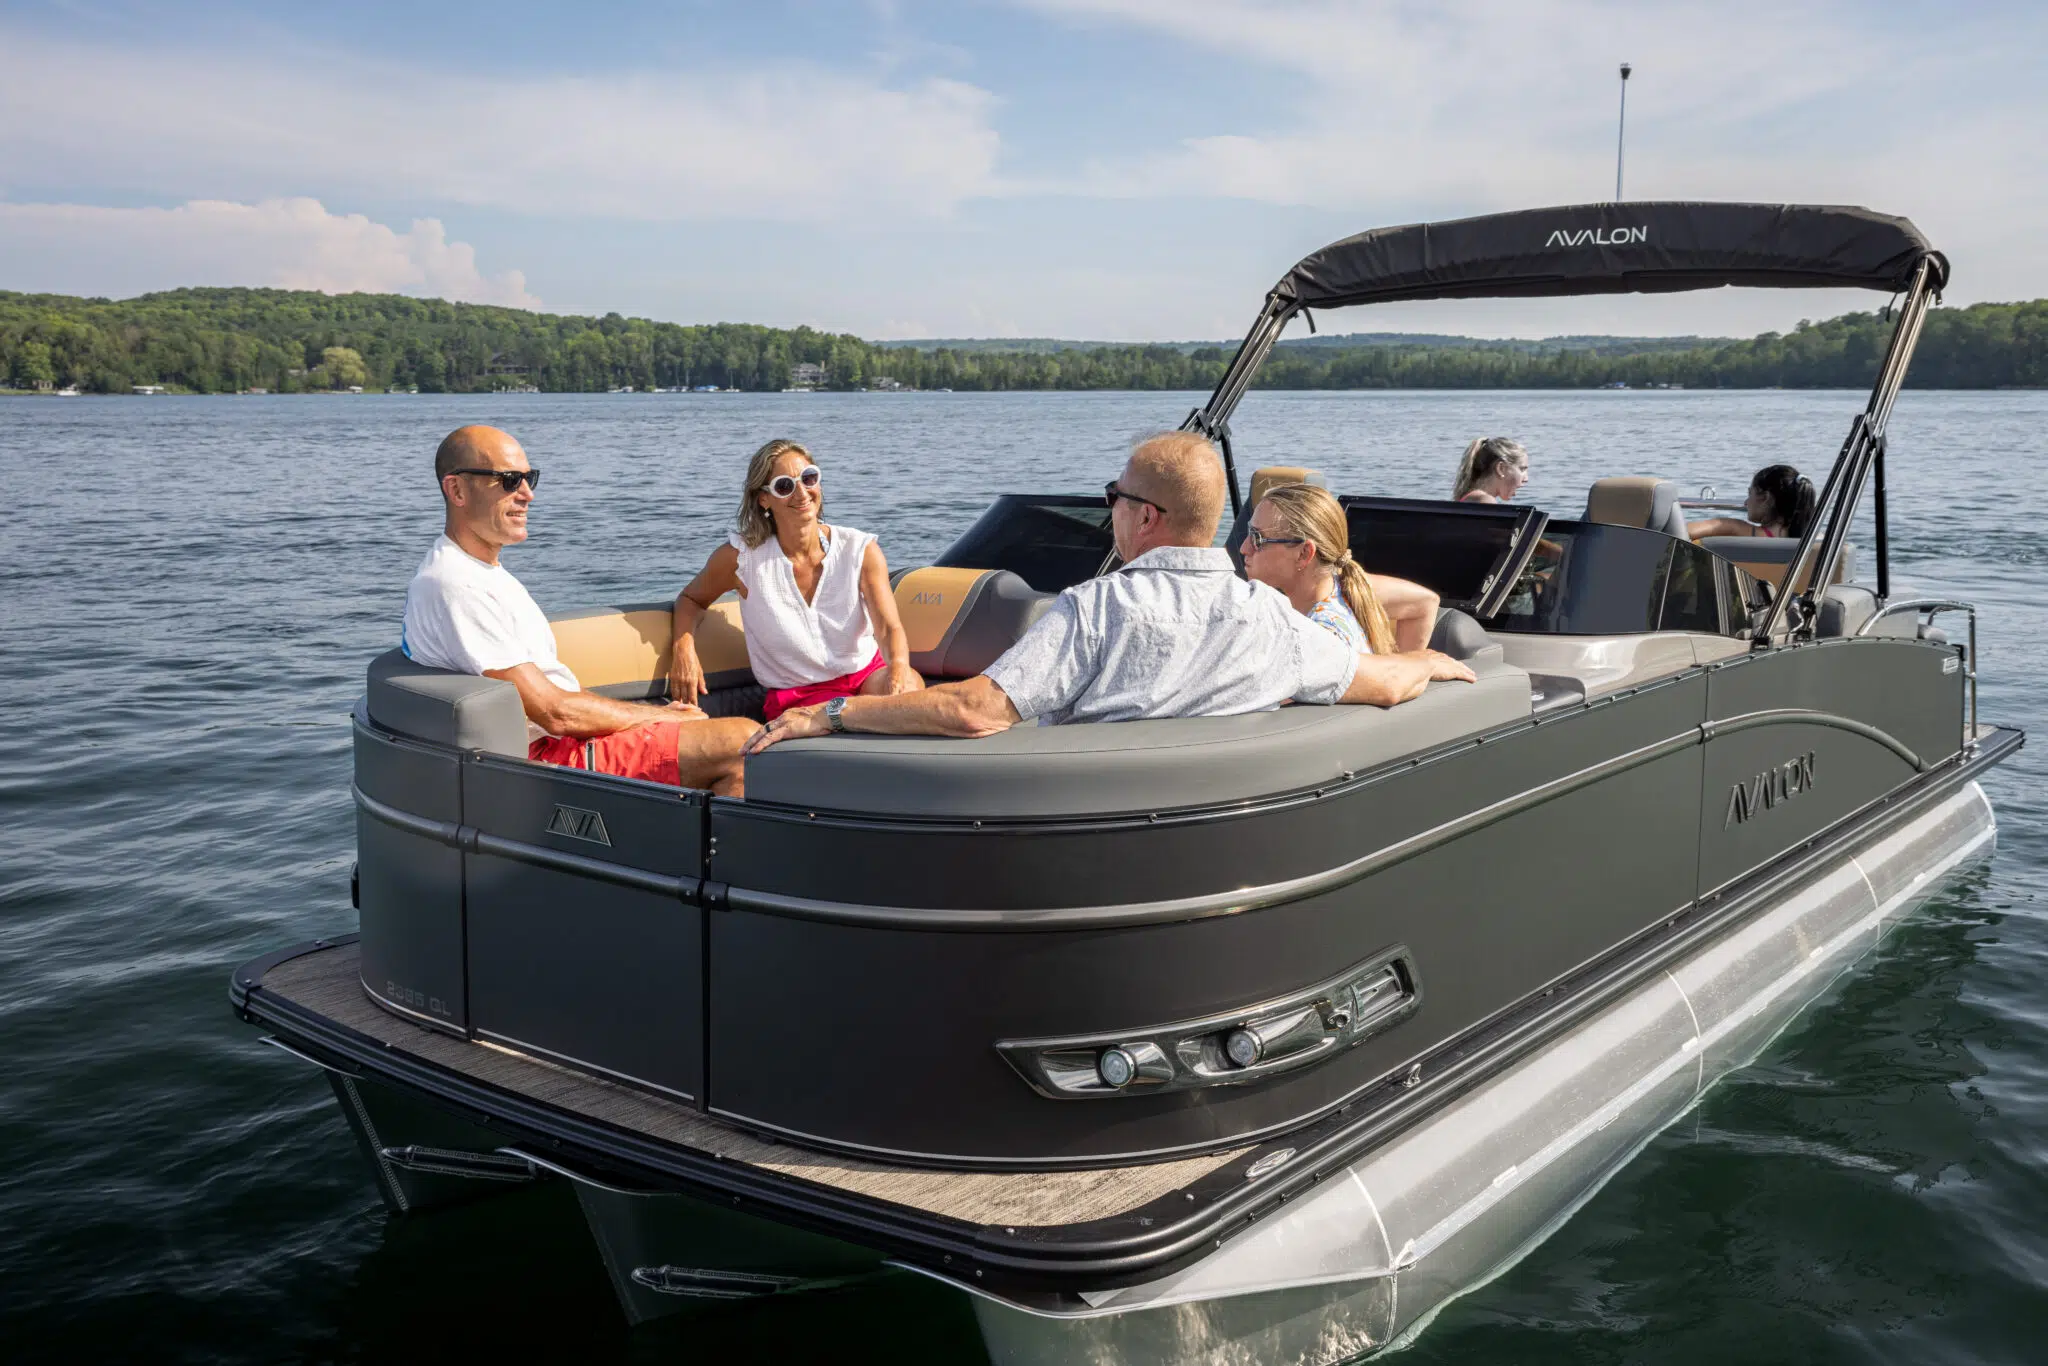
(1413, 111)
(286, 243)
(790, 142)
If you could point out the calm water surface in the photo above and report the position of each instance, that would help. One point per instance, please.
(189, 589)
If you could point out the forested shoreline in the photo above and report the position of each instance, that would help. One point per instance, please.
(292, 341)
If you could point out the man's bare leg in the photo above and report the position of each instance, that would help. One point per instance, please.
(708, 753)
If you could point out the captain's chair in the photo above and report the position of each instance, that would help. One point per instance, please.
(1637, 500)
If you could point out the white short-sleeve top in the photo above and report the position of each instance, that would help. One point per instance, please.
(790, 642)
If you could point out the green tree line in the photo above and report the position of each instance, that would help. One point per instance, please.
(287, 341)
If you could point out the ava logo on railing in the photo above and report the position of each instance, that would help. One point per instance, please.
(579, 824)
(1767, 789)
(1597, 237)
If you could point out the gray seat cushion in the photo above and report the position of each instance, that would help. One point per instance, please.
(445, 708)
(1131, 766)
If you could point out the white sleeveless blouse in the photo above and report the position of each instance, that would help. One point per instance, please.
(790, 642)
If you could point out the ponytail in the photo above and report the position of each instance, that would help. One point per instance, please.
(1468, 470)
(1364, 604)
(1317, 517)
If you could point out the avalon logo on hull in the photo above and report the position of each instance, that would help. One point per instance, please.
(579, 824)
(1767, 789)
(1597, 237)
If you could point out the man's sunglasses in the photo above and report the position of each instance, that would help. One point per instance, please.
(1260, 540)
(783, 485)
(1110, 493)
(508, 480)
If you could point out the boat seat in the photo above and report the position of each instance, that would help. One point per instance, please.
(1637, 500)
(959, 621)
(1113, 768)
(1460, 636)
(461, 711)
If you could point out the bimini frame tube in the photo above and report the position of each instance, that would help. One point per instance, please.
(1820, 549)
(1212, 419)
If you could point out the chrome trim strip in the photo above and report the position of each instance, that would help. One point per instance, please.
(1208, 904)
(471, 840)
(1781, 716)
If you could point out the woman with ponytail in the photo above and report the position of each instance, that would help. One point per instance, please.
(1781, 503)
(1299, 544)
(1492, 470)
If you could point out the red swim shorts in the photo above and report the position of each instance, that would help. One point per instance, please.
(781, 700)
(647, 752)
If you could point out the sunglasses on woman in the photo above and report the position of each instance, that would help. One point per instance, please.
(1260, 540)
(508, 480)
(783, 485)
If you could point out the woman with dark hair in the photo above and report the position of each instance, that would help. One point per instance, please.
(1492, 470)
(815, 601)
(1781, 503)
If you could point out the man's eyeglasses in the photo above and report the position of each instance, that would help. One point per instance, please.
(1260, 540)
(783, 485)
(508, 480)
(1110, 493)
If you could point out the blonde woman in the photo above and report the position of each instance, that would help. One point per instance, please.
(1492, 470)
(1298, 542)
(814, 598)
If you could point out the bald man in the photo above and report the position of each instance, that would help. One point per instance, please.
(465, 612)
(1175, 632)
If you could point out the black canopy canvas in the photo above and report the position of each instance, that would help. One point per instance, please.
(1615, 249)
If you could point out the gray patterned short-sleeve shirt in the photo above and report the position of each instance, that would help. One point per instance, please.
(1173, 633)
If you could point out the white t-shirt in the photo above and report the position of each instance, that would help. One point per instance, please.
(467, 616)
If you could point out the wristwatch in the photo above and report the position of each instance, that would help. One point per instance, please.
(832, 717)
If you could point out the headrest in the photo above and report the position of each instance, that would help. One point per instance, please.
(1272, 476)
(960, 621)
(445, 708)
(1637, 500)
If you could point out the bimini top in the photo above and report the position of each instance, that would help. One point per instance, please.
(1615, 249)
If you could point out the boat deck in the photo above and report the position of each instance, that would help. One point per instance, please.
(327, 981)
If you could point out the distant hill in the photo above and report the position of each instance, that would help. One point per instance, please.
(1349, 341)
(284, 341)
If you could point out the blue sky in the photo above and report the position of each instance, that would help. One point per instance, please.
(1082, 168)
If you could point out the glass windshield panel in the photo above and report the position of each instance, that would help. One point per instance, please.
(1449, 548)
(1589, 579)
(1051, 541)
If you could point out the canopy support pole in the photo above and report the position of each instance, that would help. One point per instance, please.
(1820, 549)
(1212, 419)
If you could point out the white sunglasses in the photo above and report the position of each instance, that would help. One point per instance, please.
(783, 485)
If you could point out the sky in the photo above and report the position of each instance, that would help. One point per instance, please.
(1103, 169)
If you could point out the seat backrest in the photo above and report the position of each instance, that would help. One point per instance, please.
(623, 651)
(959, 621)
(462, 711)
(1110, 768)
(1460, 636)
(1637, 500)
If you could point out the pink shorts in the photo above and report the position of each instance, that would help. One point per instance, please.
(647, 752)
(781, 700)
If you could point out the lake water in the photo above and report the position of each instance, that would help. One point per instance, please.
(190, 588)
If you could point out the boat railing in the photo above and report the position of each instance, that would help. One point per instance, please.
(1928, 609)
(1710, 498)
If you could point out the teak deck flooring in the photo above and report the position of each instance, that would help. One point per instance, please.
(328, 981)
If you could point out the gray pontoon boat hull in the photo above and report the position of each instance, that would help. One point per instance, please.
(1375, 1249)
